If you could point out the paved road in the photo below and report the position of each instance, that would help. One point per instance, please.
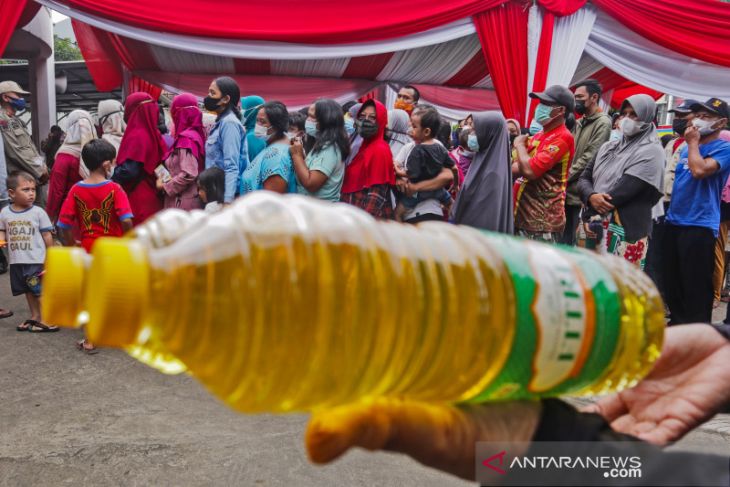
(72, 419)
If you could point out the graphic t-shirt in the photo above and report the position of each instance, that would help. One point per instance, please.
(696, 202)
(540, 203)
(23, 232)
(97, 209)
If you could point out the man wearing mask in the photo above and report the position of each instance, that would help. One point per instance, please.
(693, 219)
(542, 163)
(654, 255)
(407, 100)
(20, 153)
(590, 133)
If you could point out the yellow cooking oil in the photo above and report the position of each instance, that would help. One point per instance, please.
(287, 303)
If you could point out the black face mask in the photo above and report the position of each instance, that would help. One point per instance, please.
(580, 107)
(367, 128)
(211, 104)
(512, 138)
(679, 126)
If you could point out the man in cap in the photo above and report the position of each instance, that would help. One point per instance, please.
(590, 133)
(654, 255)
(542, 162)
(693, 219)
(20, 153)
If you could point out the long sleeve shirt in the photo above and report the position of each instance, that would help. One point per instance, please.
(226, 148)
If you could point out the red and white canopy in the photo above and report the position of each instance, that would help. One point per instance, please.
(463, 54)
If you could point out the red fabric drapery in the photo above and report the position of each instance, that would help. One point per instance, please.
(459, 98)
(696, 28)
(622, 87)
(138, 84)
(502, 32)
(542, 63)
(31, 10)
(100, 56)
(10, 13)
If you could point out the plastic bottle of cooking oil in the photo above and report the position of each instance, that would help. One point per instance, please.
(283, 303)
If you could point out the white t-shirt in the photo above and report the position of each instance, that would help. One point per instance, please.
(23, 232)
(430, 206)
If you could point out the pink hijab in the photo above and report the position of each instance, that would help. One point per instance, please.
(142, 141)
(189, 131)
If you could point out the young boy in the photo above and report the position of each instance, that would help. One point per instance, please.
(26, 230)
(426, 160)
(99, 207)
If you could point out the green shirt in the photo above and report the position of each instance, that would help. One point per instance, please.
(328, 161)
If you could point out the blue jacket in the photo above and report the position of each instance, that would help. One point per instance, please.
(226, 148)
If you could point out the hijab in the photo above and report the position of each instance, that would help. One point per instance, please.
(188, 121)
(640, 155)
(373, 164)
(250, 108)
(355, 139)
(142, 141)
(397, 133)
(111, 118)
(485, 199)
(79, 131)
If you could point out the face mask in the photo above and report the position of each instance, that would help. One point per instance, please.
(18, 104)
(210, 103)
(472, 143)
(630, 127)
(468, 153)
(542, 114)
(349, 126)
(466, 127)
(679, 126)
(535, 127)
(367, 128)
(310, 128)
(403, 105)
(615, 134)
(580, 107)
(704, 126)
(261, 132)
(512, 138)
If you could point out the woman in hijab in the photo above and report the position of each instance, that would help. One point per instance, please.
(622, 184)
(485, 199)
(397, 132)
(111, 121)
(250, 106)
(355, 139)
(370, 177)
(68, 168)
(186, 157)
(141, 151)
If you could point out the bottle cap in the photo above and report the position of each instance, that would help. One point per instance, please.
(63, 285)
(117, 292)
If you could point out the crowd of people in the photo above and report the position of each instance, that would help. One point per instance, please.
(576, 176)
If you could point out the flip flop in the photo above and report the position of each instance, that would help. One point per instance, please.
(81, 345)
(6, 313)
(25, 326)
(38, 327)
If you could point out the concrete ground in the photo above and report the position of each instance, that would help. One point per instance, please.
(71, 419)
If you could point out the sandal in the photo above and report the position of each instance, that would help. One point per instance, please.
(38, 327)
(5, 313)
(83, 345)
(24, 326)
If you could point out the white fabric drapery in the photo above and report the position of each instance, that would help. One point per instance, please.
(534, 30)
(649, 64)
(570, 36)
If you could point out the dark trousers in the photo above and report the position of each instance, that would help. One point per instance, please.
(572, 219)
(689, 260)
(654, 265)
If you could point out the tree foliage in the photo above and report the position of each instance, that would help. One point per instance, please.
(65, 50)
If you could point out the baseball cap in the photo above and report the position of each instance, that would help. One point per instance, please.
(714, 105)
(557, 95)
(685, 107)
(12, 87)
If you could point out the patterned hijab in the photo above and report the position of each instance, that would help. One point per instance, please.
(79, 131)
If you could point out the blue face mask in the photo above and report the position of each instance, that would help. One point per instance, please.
(310, 128)
(472, 142)
(615, 135)
(18, 104)
(535, 126)
(542, 113)
(349, 126)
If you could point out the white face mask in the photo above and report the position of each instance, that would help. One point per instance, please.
(630, 127)
(704, 126)
(261, 132)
